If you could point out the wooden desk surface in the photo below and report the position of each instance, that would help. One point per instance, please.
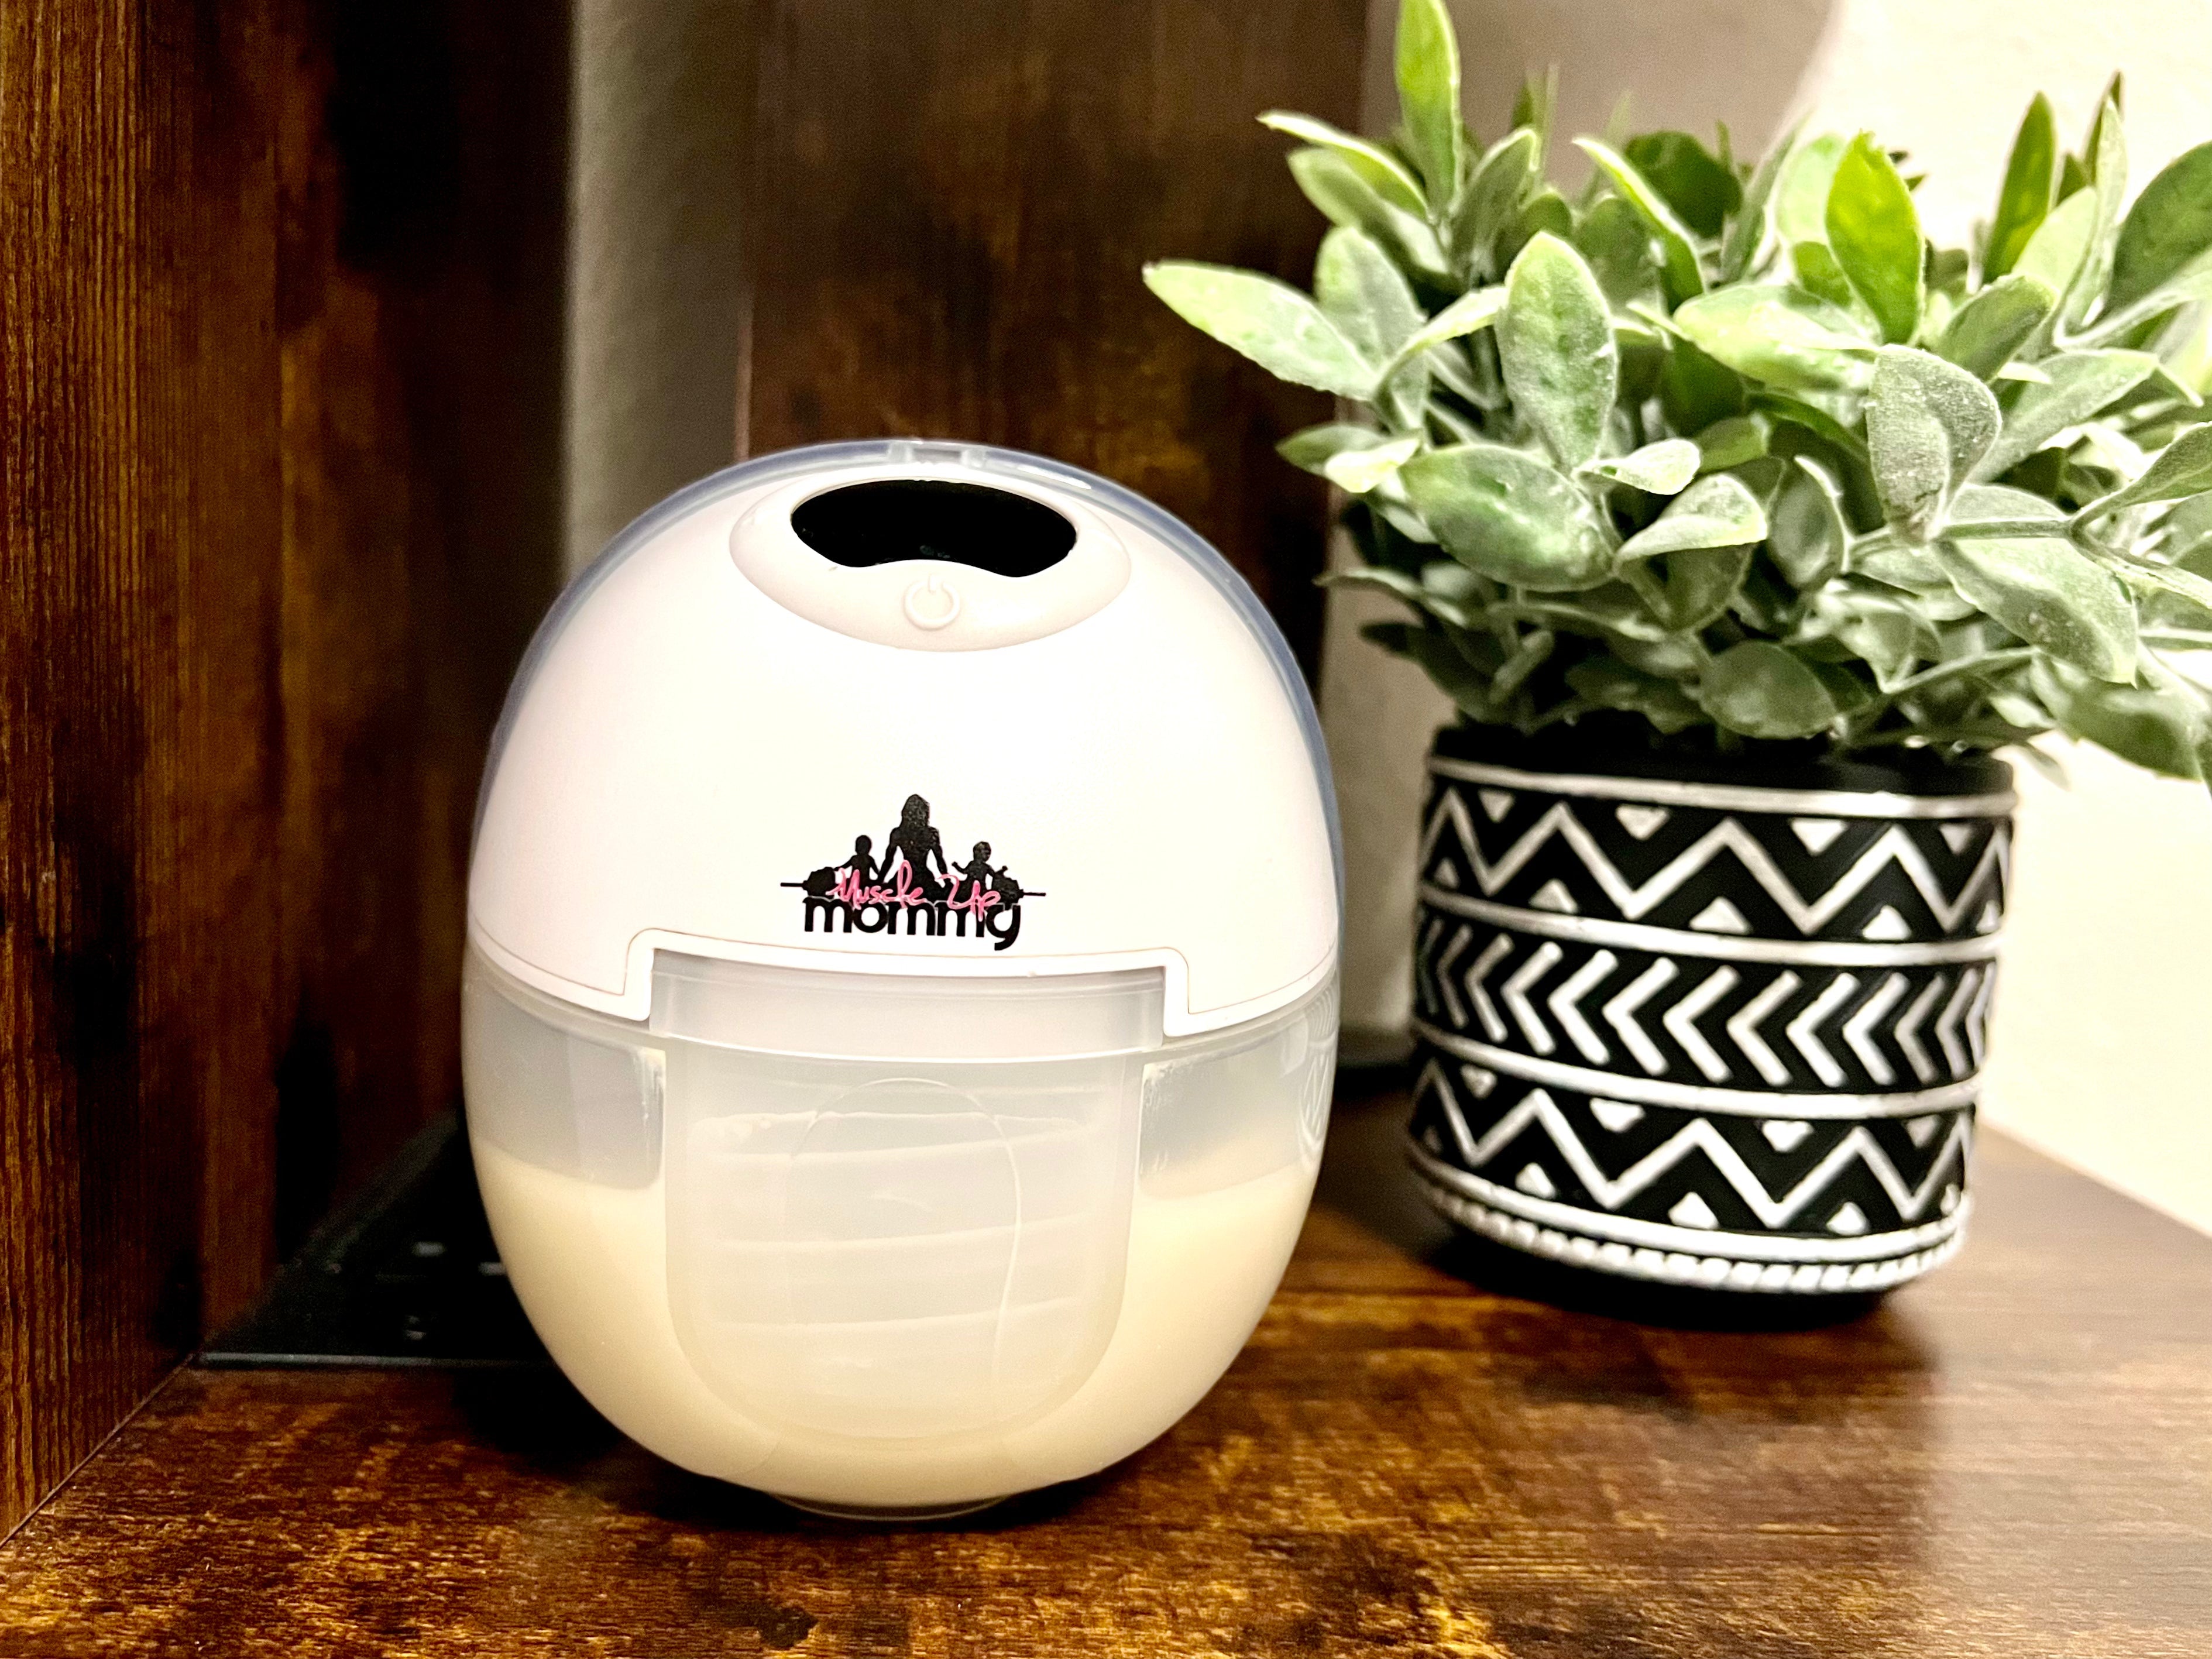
(2013, 1458)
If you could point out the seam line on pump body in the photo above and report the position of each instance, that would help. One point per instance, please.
(633, 1002)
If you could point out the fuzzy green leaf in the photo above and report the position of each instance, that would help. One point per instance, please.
(2075, 386)
(1911, 569)
(1394, 637)
(2042, 587)
(1507, 172)
(1384, 173)
(1780, 336)
(1270, 322)
(1402, 399)
(1806, 532)
(1332, 184)
(2054, 254)
(1948, 270)
(1534, 103)
(2108, 170)
(1800, 196)
(1455, 582)
(1466, 315)
(2024, 200)
(1697, 584)
(1450, 367)
(2157, 730)
(1694, 391)
(1731, 442)
(1429, 600)
(1875, 232)
(1702, 191)
(1885, 629)
(1389, 501)
(1312, 449)
(1399, 584)
(1811, 418)
(1555, 344)
(2168, 229)
(1534, 651)
(1463, 682)
(1820, 274)
(2134, 321)
(1716, 510)
(1616, 241)
(1365, 294)
(1764, 691)
(1357, 471)
(2182, 469)
(1609, 684)
(1546, 213)
(1929, 423)
(2109, 108)
(1680, 276)
(1663, 468)
(1747, 234)
(1381, 541)
(1509, 516)
(1983, 333)
(2073, 177)
(1428, 95)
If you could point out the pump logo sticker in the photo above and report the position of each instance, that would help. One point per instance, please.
(913, 879)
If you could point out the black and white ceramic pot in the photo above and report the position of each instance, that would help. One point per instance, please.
(1700, 1025)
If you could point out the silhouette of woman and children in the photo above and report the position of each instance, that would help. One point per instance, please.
(916, 844)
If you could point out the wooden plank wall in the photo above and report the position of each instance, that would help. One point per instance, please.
(139, 516)
(950, 209)
(280, 328)
(422, 316)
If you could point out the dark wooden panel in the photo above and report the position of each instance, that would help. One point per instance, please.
(423, 170)
(950, 209)
(139, 521)
(279, 431)
(2006, 1459)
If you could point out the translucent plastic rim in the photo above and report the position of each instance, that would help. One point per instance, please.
(827, 458)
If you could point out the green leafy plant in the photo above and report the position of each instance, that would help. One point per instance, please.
(1712, 456)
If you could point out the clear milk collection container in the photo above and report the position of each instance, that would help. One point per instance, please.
(899, 1006)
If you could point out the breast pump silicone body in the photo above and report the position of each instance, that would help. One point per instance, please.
(900, 1005)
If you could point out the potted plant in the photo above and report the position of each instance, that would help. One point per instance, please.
(1743, 526)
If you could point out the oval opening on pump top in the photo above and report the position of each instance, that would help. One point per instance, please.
(889, 521)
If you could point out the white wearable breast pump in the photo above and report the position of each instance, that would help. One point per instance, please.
(900, 1006)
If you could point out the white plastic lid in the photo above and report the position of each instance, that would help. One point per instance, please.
(910, 708)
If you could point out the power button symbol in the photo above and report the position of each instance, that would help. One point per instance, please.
(932, 603)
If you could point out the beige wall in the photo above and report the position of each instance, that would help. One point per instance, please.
(655, 308)
(2107, 981)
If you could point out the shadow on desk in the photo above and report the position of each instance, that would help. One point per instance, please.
(1365, 1178)
(536, 1417)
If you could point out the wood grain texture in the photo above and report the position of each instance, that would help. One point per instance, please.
(139, 529)
(949, 211)
(2009, 1459)
(422, 171)
(279, 429)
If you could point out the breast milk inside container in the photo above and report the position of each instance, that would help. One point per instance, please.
(900, 1006)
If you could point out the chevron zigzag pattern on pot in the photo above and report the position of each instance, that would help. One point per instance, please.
(1740, 1023)
(1893, 847)
(1688, 1040)
(1696, 1135)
